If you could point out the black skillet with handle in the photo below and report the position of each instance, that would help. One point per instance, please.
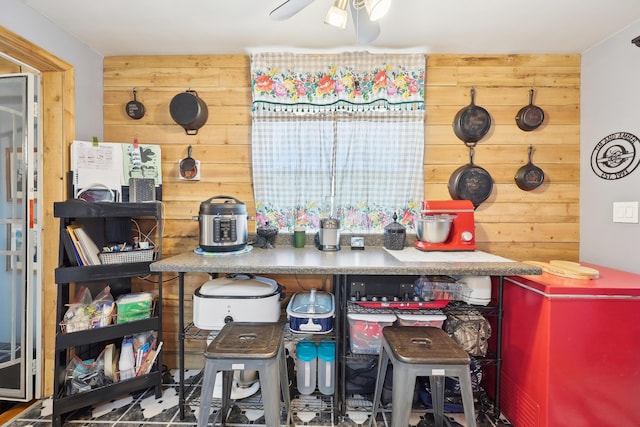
(470, 182)
(135, 109)
(529, 177)
(530, 117)
(472, 122)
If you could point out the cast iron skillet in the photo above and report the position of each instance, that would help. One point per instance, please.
(135, 109)
(471, 182)
(531, 116)
(189, 111)
(529, 176)
(472, 123)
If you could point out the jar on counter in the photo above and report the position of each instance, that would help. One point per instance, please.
(395, 235)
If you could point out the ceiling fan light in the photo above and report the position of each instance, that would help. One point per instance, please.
(377, 8)
(337, 14)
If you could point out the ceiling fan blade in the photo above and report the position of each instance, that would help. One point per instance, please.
(366, 29)
(289, 8)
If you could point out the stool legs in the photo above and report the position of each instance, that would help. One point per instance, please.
(467, 396)
(273, 381)
(437, 398)
(284, 384)
(206, 393)
(404, 379)
(383, 361)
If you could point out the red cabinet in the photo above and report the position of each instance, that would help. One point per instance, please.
(570, 350)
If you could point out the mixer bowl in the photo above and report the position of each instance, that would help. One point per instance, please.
(434, 228)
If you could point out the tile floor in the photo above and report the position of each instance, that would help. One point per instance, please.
(143, 410)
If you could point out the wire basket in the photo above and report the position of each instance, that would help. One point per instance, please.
(140, 255)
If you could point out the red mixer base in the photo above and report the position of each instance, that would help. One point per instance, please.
(424, 246)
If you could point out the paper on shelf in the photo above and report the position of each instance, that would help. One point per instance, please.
(96, 163)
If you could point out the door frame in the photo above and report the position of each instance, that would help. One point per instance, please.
(58, 132)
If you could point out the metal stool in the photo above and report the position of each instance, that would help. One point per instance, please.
(247, 346)
(421, 351)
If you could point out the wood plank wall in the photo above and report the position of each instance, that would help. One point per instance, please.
(538, 225)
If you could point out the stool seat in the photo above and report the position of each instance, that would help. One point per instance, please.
(246, 340)
(411, 344)
(421, 351)
(247, 346)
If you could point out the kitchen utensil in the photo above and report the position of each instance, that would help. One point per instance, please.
(223, 224)
(306, 366)
(531, 116)
(529, 176)
(395, 235)
(434, 228)
(472, 122)
(311, 312)
(189, 111)
(267, 234)
(462, 233)
(188, 165)
(328, 238)
(240, 298)
(326, 367)
(135, 109)
(562, 271)
(404, 305)
(299, 237)
(470, 182)
(570, 265)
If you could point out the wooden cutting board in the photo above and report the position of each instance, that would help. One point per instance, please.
(568, 269)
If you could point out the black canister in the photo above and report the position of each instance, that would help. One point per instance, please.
(395, 235)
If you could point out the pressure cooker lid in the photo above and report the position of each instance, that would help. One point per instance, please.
(223, 205)
(228, 287)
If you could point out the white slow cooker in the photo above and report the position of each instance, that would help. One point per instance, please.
(240, 298)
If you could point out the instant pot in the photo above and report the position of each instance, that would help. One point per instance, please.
(223, 224)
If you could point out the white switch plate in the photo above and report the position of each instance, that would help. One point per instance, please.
(625, 212)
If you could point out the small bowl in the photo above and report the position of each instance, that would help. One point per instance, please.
(434, 228)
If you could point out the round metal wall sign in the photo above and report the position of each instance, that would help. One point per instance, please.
(616, 155)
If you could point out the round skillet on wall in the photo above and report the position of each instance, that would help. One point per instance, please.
(472, 122)
(529, 177)
(470, 182)
(189, 111)
(530, 117)
(135, 109)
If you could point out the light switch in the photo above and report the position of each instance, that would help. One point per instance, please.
(625, 212)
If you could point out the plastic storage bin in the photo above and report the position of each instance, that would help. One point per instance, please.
(311, 312)
(365, 331)
(326, 367)
(409, 319)
(306, 366)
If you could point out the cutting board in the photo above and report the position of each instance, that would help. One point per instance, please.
(568, 269)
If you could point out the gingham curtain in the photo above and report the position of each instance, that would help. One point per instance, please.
(362, 142)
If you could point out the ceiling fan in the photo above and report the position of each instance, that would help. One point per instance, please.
(365, 14)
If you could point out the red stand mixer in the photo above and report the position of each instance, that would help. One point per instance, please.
(462, 235)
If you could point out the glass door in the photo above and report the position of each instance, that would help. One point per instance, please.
(19, 235)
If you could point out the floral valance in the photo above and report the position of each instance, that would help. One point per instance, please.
(352, 81)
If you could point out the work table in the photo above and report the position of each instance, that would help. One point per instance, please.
(371, 260)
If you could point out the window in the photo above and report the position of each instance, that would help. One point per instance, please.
(345, 141)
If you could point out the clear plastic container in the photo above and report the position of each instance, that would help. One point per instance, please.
(306, 366)
(326, 366)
